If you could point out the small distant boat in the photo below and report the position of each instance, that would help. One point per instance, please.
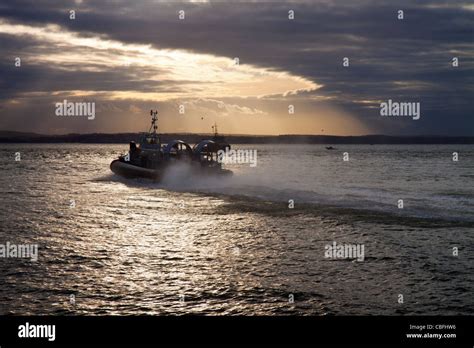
(330, 148)
(150, 158)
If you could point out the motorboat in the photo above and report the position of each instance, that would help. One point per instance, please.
(150, 158)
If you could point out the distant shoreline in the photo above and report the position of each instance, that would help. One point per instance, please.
(105, 138)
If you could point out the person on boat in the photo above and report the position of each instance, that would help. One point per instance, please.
(135, 152)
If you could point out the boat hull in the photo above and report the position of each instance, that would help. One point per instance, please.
(131, 171)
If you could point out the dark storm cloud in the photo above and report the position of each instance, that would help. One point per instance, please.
(37, 78)
(384, 52)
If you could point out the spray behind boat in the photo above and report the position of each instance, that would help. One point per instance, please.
(151, 158)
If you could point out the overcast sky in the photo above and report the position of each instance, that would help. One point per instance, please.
(130, 56)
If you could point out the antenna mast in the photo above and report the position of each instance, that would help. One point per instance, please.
(214, 127)
(154, 119)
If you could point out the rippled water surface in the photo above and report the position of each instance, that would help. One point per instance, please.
(233, 246)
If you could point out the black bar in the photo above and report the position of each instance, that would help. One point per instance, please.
(196, 330)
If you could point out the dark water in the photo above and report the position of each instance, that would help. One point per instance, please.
(234, 246)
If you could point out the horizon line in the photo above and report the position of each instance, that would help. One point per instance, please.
(20, 133)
